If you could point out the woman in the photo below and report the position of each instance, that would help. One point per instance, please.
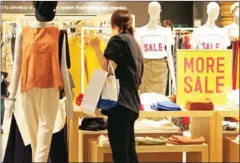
(125, 54)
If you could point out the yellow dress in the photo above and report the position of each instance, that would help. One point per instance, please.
(75, 70)
(91, 60)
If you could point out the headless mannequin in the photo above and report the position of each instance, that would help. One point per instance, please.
(233, 28)
(153, 29)
(39, 152)
(209, 36)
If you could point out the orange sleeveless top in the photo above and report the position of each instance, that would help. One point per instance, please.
(40, 61)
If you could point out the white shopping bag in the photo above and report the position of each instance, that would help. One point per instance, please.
(93, 92)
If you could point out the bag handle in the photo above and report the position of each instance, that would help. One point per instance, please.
(110, 67)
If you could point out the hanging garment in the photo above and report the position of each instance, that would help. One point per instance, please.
(91, 59)
(187, 42)
(76, 64)
(58, 151)
(236, 53)
(16, 151)
(13, 39)
(2, 111)
(6, 59)
(40, 63)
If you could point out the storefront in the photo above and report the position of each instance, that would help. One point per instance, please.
(189, 93)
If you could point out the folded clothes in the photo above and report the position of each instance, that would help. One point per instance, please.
(166, 106)
(230, 126)
(103, 140)
(199, 104)
(155, 125)
(93, 124)
(183, 140)
(150, 141)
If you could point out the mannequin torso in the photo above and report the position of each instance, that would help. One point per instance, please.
(210, 36)
(18, 63)
(155, 40)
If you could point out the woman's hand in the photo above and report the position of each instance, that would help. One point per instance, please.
(95, 43)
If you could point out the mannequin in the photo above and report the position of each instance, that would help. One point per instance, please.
(40, 98)
(233, 28)
(209, 36)
(156, 42)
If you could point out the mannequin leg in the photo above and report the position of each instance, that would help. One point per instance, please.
(48, 106)
(29, 102)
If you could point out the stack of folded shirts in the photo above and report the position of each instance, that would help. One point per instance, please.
(166, 106)
(183, 140)
(147, 99)
(150, 125)
(150, 141)
(200, 104)
(103, 141)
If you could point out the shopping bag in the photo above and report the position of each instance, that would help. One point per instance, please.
(110, 92)
(93, 92)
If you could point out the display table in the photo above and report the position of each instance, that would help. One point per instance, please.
(73, 127)
(231, 149)
(99, 154)
(221, 114)
(85, 136)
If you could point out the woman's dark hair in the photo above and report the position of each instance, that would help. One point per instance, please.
(123, 20)
(168, 23)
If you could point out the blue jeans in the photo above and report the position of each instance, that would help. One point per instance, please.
(2, 110)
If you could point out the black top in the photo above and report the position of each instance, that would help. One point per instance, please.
(124, 50)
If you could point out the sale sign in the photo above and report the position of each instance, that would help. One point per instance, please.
(204, 74)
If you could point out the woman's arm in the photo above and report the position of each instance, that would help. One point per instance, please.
(95, 43)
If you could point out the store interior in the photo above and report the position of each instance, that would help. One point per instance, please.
(190, 114)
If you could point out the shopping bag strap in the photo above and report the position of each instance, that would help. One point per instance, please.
(110, 67)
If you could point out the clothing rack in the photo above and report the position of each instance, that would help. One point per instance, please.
(182, 30)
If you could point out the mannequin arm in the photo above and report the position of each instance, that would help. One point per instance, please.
(16, 65)
(171, 66)
(66, 80)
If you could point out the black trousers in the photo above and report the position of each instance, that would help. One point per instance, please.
(16, 151)
(121, 135)
(58, 152)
